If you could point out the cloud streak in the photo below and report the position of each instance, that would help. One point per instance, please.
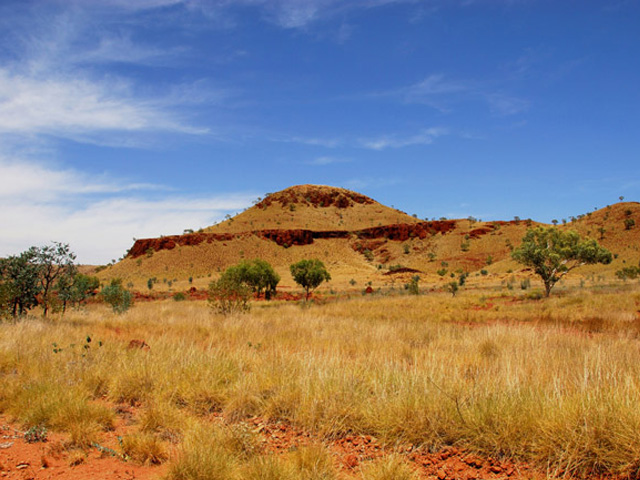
(76, 107)
(425, 137)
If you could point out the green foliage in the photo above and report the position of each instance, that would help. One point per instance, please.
(484, 272)
(452, 287)
(368, 254)
(309, 274)
(462, 278)
(413, 286)
(489, 260)
(36, 434)
(628, 272)
(19, 284)
(257, 274)
(442, 272)
(629, 223)
(229, 294)
(117, 296)
(77, 289)
(53, 261)
(179, 297)
(406, 249)
(553, 253)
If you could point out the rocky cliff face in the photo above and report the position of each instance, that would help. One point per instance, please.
(287, 238)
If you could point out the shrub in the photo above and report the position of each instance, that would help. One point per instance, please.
(179, 297)
(229, 295)
(413, 286)
(628, 272)
(117, 296)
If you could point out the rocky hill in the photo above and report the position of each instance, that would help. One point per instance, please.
(359, 240)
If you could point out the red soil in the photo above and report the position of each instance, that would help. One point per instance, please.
(22, 460)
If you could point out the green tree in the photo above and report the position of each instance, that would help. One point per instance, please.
(258, 274)
(117, 296)
(54, 261)
(553, 253)
(19, 284)
(309, 274)
(77, 289)
(261, 277)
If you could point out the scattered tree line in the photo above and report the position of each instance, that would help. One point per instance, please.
(232, 291)
(48, 277)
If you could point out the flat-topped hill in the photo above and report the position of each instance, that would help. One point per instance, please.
(361, 241)
(313, 207)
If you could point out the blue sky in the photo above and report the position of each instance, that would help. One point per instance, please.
(122, 119)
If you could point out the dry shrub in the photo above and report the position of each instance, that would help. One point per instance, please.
(392, 467)
(313, 463)
(268, 467)
(144, 448)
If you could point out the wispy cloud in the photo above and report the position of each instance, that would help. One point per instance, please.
(75, 107)
(425, 137)
(396, 140)
(502, 104)
(447, 94)
(97, 217)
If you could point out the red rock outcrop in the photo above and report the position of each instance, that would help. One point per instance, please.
(396, 232)
(316, 196)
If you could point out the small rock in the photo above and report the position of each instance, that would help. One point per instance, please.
(351, 461)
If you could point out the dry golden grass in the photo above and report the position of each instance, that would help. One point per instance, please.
(555, 382)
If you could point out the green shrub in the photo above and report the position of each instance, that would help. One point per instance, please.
(117, 296)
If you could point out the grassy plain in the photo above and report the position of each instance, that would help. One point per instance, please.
(553, 382)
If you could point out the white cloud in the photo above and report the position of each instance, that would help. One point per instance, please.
(75, 107)
(97, 218)
(425, 137)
